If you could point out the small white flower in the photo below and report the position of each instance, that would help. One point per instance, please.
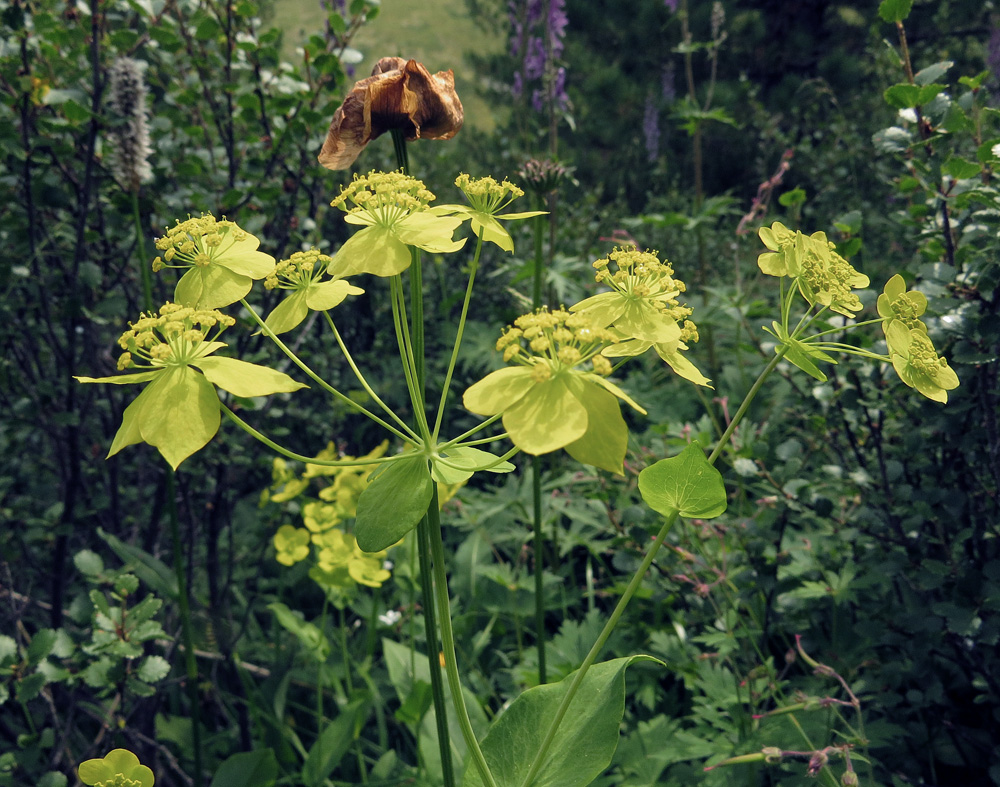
(390, 618)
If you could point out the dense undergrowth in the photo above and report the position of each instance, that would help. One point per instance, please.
(840, 618)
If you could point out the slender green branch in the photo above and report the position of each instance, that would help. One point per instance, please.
(578, 676)
(364, 383)
(417, 320)
(458, 337)
(536, 510)
(448, 643)
(473, 430)
(754, 390)
(302, 457)
(406, 356)
(319, 380)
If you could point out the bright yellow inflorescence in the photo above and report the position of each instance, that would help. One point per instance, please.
(640, 274)
(196, 241)
(486, 195)
(170, 337)
(298, 270)
(383, 195)
(553, 341)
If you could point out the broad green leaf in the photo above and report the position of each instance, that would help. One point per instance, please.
(329, 749)
(310, 635)
(257, 768)
(895, 10)
(41, 645)
(685, 483)
(584, 743)
(392, 504)
(245, 379)
(892, 140)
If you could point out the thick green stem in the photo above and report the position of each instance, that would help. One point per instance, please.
(190, 664)
(536, 500)
(140, 244)
(448, 643)
(581, 673)
(430, 630)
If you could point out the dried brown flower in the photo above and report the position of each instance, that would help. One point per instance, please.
(399, 94)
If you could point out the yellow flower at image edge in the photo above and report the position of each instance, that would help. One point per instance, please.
(179, 411)
(917, 362)
(118, 768)
(551, 401)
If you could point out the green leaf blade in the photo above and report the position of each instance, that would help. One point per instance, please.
(685, 483)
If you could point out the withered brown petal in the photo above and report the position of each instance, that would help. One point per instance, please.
(400, 94)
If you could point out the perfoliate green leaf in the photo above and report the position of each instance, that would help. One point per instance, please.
(458, 464)
(211, 287)
(178, 413)
(603, 444)
(245, 379)
(258, 768)
(393, 503)
(374, 250)
(546, 418)
(584, 743)
(289, 313)
(895, 10)
(498, 390)
(685, 483)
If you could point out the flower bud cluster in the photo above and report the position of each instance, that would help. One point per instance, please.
(378, 192)
(171, 336)
(640, 274)
(299, 270)
(552, 341)
(196, 241)
(486, 195)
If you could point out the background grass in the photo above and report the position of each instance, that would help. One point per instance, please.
(440, 34)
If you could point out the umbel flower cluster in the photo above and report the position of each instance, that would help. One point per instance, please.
(827, 280)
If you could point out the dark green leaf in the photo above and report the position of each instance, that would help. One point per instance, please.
(393, 503)
(584, 743)
(895, 10)
(331, 746)
(932, 73)
(248, 769)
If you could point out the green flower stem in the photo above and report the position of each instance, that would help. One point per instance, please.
(850, 327)
(417, 319)
(431, 629)
(458, 337)
(190, 664)
(361, 378)
(478, 428)
(140, 242)
(312, 460)
(321, 382)
(754, 390)
(538, 226)
(633, 585)
(448, 642)
(580, 674)
(406, 356)
(536, 508)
